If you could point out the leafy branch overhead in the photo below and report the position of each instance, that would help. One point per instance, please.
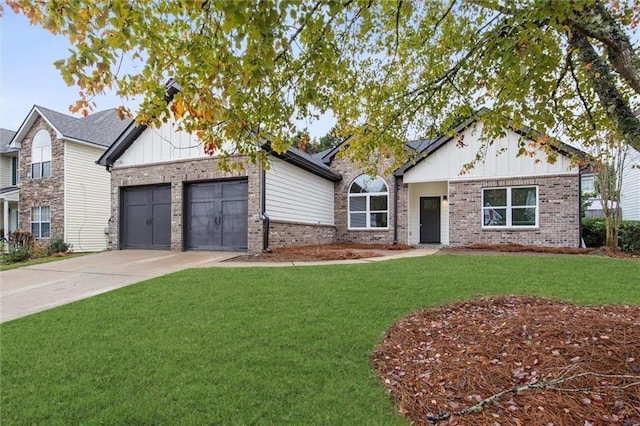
(388, 70)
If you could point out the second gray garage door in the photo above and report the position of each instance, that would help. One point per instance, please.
(216, 215)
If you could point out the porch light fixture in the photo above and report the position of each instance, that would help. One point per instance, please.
(445, 201)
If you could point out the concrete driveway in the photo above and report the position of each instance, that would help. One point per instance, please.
(36, 288)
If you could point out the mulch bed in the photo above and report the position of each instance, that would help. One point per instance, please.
(515, 360)
(337, 251)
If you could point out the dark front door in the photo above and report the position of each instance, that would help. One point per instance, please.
(146, 217)
(217, 215)
(430, 220)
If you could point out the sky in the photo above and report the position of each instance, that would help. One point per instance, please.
(28, 77)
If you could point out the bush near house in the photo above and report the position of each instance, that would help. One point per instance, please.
(594, 233)
(19, 246)
(57, 245)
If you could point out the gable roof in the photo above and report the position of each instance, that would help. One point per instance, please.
(292, 155)
(429, 146)
(5, 139)
(100, 128)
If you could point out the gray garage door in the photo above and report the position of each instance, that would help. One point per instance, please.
(146, 217)
(216, 216)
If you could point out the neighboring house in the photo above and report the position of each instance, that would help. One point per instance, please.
(62, 191)
(168, 194)
(630, 193)
(9, 191)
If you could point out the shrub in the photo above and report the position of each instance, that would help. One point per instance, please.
(56, 245)
(19, 246)
(629, 238)
(594, 233)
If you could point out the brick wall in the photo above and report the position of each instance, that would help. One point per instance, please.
(349, 172)
(178, 174)
(47, 191)
(559, 218)
(284, 234)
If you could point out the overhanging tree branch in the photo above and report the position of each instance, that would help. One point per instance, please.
(616, 107)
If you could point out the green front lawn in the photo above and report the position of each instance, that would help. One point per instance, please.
(258, 345)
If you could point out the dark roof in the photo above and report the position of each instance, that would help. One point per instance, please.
(310, 163)
(5, 137)
(101, 128)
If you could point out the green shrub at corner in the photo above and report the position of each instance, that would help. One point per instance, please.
(594, 233)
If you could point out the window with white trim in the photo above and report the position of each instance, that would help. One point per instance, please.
(41, 221)
(41, 155)
(368, 203)
(513, 207)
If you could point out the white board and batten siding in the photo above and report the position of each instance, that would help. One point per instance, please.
(157, 145)
(630, 194)
(295, 195)
(500, 161)
(87, 198)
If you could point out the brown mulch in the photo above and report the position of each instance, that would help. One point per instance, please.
(521, 248)
(336, 251)
(515, 360)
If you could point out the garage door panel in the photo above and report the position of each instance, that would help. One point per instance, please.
(234, 224)
(216, 216)
(161, 226)
(146, 217)
(136, 227)
(200, 225)
(234, 191)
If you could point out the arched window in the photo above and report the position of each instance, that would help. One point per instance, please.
(368, 203)
(41, 155)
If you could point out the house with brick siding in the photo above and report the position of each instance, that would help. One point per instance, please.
(503, 198)
(63, 192)
(167, 193)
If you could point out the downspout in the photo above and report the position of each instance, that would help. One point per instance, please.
(395, 210)
(263, 214)
(580, 170)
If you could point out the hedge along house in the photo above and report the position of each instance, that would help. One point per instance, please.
(62, 191)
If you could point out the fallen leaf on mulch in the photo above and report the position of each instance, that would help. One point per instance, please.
(515, 360)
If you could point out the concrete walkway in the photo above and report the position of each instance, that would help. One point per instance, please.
(36, 288)
(25, 291)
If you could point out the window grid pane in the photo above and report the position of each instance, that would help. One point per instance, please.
(358, 203)
(358, 220)
(46, 169)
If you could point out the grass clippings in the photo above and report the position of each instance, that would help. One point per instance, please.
(515, 361)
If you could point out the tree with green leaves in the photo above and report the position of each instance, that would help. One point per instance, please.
(389, 70)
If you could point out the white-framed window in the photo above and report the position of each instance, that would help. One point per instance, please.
(513, 207)
(368, 203)
(41, 155)
(41, 221)
(588, 184)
